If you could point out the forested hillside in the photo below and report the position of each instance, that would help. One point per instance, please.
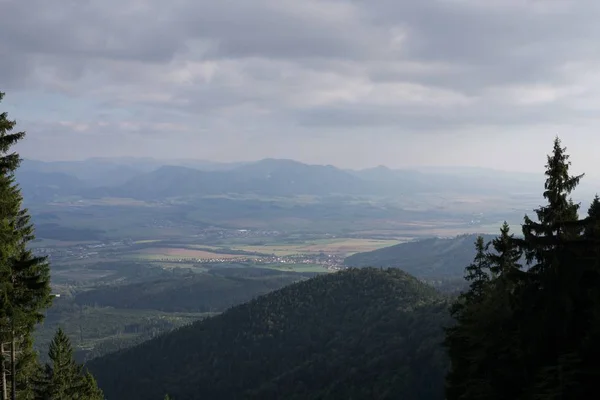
(360, 333)
(428, 258)
(213, 291)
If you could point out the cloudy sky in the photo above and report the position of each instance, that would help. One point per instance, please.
(347, 82)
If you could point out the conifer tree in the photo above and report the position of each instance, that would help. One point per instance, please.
(507, 254)
(63, 378)
(558, 219)
(24, 278)
(535, 333)
(592, 229)
(477, 272)
(461, 340)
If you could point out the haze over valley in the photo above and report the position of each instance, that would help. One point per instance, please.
(167, 243)
(299, 200)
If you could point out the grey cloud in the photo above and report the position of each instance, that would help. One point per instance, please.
(155, 31)
(313, 64)
(512, 44)
(495, 41)
(281, 29)
(81, 29)
(423, 120)
(14, 72)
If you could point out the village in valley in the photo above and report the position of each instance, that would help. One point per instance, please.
(192, 251)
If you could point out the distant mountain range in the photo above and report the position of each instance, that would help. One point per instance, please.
(149, 179)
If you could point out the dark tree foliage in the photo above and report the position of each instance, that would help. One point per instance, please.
(592, 229)
(477, 272)
(532, 333)
(212, 291)
(62, 378)
(356, 334)
(24, 278)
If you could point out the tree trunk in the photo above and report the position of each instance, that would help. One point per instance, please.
(3, 372)
(13, 367)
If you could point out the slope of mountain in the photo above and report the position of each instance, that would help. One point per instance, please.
(213, 291)
(39, 186)
(267, 177)
(273, 176)
(92, 172)
(170, 181)
(287, 177)
(206, 165)
(356, 334)
(428, 258)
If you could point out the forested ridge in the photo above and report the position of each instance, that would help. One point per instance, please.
(359, 333)
(213, 291)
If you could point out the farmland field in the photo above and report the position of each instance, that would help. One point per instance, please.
(175, 253)
(341, 246)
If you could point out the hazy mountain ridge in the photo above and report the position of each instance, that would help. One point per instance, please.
(152, 179)
(42, 187)
(92, 172)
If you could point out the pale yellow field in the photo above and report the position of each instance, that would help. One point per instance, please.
(167, 252)
(335, 246)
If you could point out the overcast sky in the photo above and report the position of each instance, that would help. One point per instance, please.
(347, 82)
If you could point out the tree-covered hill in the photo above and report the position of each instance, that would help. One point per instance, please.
(428, 258)
(359, 334)
(213, 291)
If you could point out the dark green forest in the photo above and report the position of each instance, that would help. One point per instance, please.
(359, 333)
(213, 291)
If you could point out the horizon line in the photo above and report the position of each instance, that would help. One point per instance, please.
(225, 163)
